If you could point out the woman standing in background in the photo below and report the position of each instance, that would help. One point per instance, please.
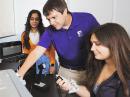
(30, 37)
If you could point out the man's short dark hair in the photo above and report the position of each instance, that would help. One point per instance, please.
(58, 5)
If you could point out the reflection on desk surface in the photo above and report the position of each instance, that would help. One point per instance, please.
(49, 89)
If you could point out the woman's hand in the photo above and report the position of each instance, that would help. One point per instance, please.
(64, 85)
(83, 91)
(71, 87)
(67, 85)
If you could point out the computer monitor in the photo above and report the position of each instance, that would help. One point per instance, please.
(9, 49)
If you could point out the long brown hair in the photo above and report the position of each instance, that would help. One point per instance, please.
(115, 37)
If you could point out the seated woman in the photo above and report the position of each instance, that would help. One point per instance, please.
(108, 69)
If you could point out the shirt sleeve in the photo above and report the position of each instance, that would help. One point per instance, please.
(92, 22)
(45, 39)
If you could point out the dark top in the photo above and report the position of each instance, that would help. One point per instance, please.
(112, 87)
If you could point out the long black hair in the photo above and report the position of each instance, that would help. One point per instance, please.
(115, 37)
(40, 28)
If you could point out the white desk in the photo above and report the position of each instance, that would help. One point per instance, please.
(10, 85)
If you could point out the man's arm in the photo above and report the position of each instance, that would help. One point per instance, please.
(31, 59)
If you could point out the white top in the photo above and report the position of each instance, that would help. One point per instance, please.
(34, 36)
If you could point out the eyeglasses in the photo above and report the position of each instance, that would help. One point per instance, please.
(36, 19)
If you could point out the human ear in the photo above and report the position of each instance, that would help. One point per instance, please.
(65, 12)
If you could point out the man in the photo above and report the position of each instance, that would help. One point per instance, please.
(67, 32)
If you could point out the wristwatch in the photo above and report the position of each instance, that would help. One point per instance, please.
(52, 65)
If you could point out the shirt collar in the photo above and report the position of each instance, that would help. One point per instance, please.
(74, 21)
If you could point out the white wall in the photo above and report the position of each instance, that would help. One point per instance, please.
(6, 18)
(101, 9)
(121, 13)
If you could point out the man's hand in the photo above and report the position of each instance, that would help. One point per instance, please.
(21, 79)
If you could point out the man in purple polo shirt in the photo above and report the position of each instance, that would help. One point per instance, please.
(68, 33)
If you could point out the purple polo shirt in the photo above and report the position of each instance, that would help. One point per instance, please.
(70, 44)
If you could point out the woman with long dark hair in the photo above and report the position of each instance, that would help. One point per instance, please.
(108, 65)
(34, 28)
